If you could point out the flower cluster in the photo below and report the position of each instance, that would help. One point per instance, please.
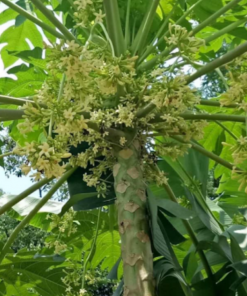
(188, 45)
(72, 279)
(237, 91)
(65, 226)
(88, 11)
(96, 102)
(43, 158)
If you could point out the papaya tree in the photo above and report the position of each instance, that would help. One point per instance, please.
(105, 98)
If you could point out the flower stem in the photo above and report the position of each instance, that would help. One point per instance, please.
(221, 117)
(6, 154)
(16, 101)
(91, 250)
(11, 114)
(50, 16)
(216, 104)
(226, 30)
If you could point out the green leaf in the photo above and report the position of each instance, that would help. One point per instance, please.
(78, 187)
(119, 289)
(49, 36)
(175, 209)
(33, 56)
(7, 15)
(173, 235)
(22, 139)
(190, 266)
(240, 266)
(28, 80)
(87, 201)
(110, 243)
(113, 274)
(22, 272)
(15, 37)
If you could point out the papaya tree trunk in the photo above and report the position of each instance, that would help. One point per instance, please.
(133, 226)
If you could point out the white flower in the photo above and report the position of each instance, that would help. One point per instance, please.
(122, 141)
(69, 114)
(99, 17)
(42, 164)
(25, 169)
(37, 176)
(45, 150)
(29, 147)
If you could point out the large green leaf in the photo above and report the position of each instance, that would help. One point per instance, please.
(15, 37)
(33, 56)
(88, 201)
(23, 273)
(108, 250)
(7, 15)
(28, 80)
(174, 209)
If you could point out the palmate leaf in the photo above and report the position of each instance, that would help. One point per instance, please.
(7, 15)
(28, 80)
(23, 275)
(33, 56)
(15, 37)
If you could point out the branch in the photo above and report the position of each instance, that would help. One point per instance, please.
(226, 58)
(17, 101)
(216, 104)
(50, 16)
(220, 117)
(214, 16)
(205, 152)
(11, 114)
(225, 30)
(114, 26)
(145, 110)
(6, 207)
(33, 19)
(150, 107)
(34, 211)
(6, 154)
